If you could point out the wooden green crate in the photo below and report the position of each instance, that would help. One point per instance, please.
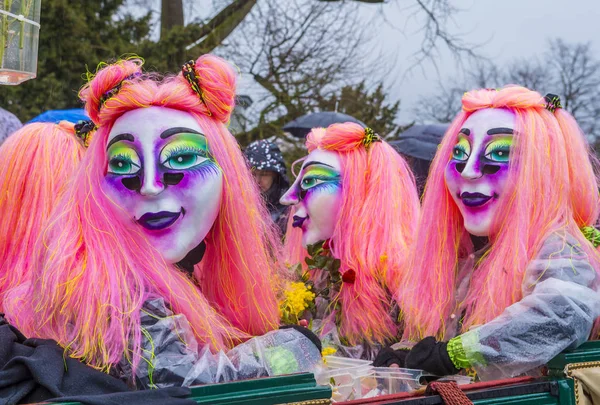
(301, 389)
(589, 351)
(264, 391)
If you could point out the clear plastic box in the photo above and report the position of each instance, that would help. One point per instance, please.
(352, 379)
(386, 381)
(345, 377)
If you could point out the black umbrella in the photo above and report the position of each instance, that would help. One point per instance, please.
(300, 127)
(420, 141)
(419, 144)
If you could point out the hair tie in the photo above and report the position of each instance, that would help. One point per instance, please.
(370, 137)
(592, 234)
(83, 131)
(113, 92)
(552, 102)
(189, 73)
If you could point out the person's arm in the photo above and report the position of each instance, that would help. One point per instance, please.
(172, 356)
(557, 312)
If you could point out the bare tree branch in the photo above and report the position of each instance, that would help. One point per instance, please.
(300, 51)
(570, 70)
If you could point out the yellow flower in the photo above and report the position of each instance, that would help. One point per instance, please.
(328, 351)
(297, 298)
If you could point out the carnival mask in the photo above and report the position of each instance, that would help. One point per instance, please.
(317, 192)
(477, 173)
(162, 175)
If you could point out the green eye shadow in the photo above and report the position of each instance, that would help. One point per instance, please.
(315, 173)
(500, 143)
(321, 172)
(185, 143)
(464, 145)
(123, 151)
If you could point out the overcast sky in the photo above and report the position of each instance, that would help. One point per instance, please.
(508, 29)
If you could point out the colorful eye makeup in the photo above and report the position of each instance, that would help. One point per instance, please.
(462, 150)
(123, 160)
(318, 178)
(499, 150)
(316, 175)
(185, 152)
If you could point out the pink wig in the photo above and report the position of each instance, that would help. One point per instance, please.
(551, 186)
(96, 272)
(36, 163)
(374, 232)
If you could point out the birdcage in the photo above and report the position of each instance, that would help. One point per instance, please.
(19, 37)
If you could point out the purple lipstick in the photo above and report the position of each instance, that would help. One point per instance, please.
(474, 199)
(298, 221)
(155, 221)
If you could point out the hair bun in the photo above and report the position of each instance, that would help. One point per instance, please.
(509, 96)
(106, 78)
(217, 80)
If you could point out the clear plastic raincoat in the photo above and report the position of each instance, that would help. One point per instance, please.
(559, 305)
(172, 356)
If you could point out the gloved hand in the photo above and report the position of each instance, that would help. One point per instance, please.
(388, 357)
(307, 333)
(431, 356)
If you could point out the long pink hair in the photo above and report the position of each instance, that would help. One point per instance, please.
(95, 272)
(36, 163)
(374, 232)
(552, 186)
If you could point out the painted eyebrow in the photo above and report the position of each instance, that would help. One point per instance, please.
(120, 137)
(496, 131)
(465, 131)
(311, 163)
(178, 130)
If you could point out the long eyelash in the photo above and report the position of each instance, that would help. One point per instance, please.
(464, 144)
(124, 157)
(205, 169)
(325, 186)
(178, 150)
(330, 185)
(498, 146)
(461, 148)
(319, 177)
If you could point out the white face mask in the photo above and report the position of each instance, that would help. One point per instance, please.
(160, 172)
(317, 192)
(477, 174)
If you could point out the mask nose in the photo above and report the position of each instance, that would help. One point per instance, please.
(472, 170)
(291, 196)
(152, 186)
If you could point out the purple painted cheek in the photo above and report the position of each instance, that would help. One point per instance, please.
(192, 179)
(497, 179)
(496, 183)
(116, 184)
(452, 171)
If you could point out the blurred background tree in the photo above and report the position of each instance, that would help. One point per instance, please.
(302, 55)
(571, 70)
(75, 33)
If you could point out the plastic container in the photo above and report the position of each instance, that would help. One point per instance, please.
(19, 38)
(352, 379)
(386, 381)
(344, 375)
